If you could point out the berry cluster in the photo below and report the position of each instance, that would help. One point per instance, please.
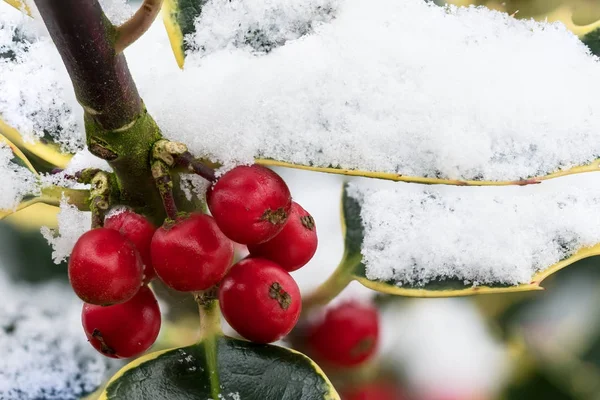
(111, 266)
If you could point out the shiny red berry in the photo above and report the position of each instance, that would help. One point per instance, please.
(373, 391)
(191, 253)
(250, 204)
(123, 330)
(139, 231)
(347, 335)
(105, 268)
(295, 245)
(260, 300)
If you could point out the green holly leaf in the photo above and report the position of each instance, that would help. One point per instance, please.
(352, 268)
(178, 17)
(221, 368)
(592, 40)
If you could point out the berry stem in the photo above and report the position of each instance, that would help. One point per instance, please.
(210, 314)
(196, 166)
(327, 291)
(164, 183)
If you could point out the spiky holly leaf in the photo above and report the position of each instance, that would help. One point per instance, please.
(222, 368)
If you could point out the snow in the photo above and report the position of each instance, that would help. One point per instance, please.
(45, 353)
(474, 94)
(193, 186)
(444, 348)
(418, 233)
(16, 181)
(256, 25)
(72, 223)
(36, 96)
(84, 159)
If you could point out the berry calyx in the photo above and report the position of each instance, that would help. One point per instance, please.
(139, 231)
(105, 268)
(191, 253)
(260, 300)
(250, 204)
(295, 245)
(347, 335)
(123, 330)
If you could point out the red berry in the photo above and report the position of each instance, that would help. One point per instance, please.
(123, 330)
(347, 335)
(260, 300)
(295, 245)
(105, 268)
(139, 231)
(373, 391)
(250, 204)
(191, 253)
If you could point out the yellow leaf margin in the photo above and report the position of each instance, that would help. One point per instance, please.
(169, 11)
(591, 167)
(49, 153)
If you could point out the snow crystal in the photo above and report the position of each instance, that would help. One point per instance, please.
(36, 96)
(418, 233)
(257, 25)
(444, 345)
(72, 223)
(45, 353)
(16, 181)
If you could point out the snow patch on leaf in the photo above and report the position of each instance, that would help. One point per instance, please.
(395, 86)
(415, 234)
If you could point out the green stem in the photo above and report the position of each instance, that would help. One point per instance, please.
(210, 314)
(328, 290)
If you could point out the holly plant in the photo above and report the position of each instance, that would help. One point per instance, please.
(148, 238)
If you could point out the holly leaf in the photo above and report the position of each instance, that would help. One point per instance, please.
(45, 151)
(221, 368)
(50, 195)
(352, 268)
(178, 17)
(592, 40)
